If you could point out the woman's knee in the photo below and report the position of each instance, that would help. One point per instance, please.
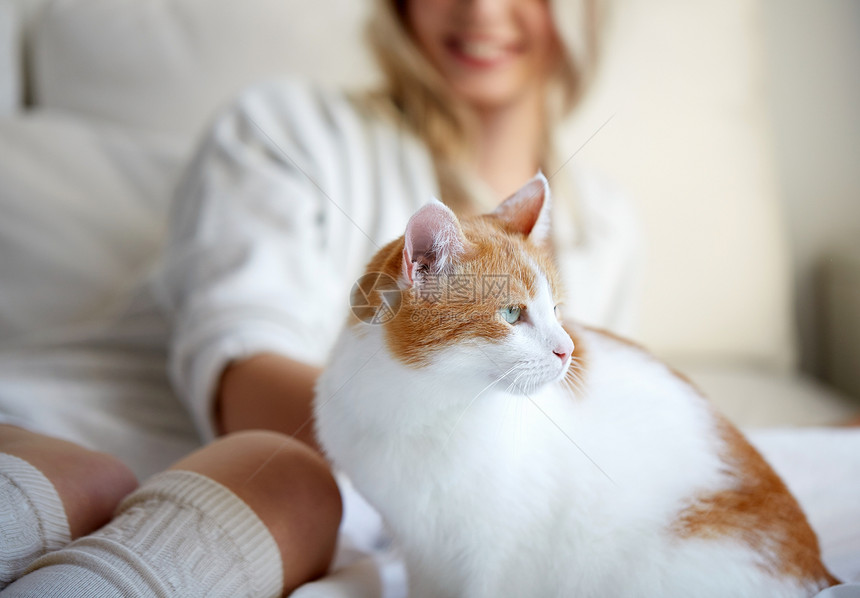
(90, 484)
(288, 485)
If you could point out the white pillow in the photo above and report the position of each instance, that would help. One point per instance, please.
(83, 215)
(166, 65)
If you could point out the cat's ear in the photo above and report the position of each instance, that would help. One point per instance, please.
(528, 210)
(433, 240)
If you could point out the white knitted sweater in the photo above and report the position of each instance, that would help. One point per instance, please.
(291, 192)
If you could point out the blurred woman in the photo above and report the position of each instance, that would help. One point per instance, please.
(289, 194)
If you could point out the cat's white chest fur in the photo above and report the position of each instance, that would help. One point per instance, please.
(545, 494)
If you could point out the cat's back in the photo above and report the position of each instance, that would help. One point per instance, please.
(633, 415)
(699, 493)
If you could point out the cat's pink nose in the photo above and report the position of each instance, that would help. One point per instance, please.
(564, 349)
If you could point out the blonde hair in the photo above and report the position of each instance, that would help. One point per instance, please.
(426, 106)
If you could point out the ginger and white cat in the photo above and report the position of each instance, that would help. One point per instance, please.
(514, 457)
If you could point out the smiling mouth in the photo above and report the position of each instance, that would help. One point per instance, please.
(479, 52)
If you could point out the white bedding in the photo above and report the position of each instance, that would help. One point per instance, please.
(83, 211)
(821, 466)
(83, 207)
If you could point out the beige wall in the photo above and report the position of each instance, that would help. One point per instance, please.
(812, 52)
(689, 141)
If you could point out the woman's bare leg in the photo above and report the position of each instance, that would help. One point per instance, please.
(288, 487)
(51, 491)
(89, 483)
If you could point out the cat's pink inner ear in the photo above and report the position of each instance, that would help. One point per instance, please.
(527, 211)
(433, 239)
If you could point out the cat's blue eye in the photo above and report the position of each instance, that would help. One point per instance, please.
(557, 311)
(511, 313)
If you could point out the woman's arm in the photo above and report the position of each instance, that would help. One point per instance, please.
(249, 272)
(269, 392)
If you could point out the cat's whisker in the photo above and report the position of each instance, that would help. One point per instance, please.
(575, 390)
(524, 370)
(518, 422)
(520, 365)
(529, 384)
(568, 385)
(572, 385)
(574, 368)
(576, 362)
(520, 375)
(513, 403)
(475, 398)
(574, 382)
(578, 378)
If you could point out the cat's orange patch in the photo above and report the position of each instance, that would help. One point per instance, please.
(758, 510)
(463, 304)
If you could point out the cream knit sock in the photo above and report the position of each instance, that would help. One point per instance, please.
(32, 518)
(180, 534)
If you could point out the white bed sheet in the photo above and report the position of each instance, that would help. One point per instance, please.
(821, 466)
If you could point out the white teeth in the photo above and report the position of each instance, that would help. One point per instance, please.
(482, 50)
